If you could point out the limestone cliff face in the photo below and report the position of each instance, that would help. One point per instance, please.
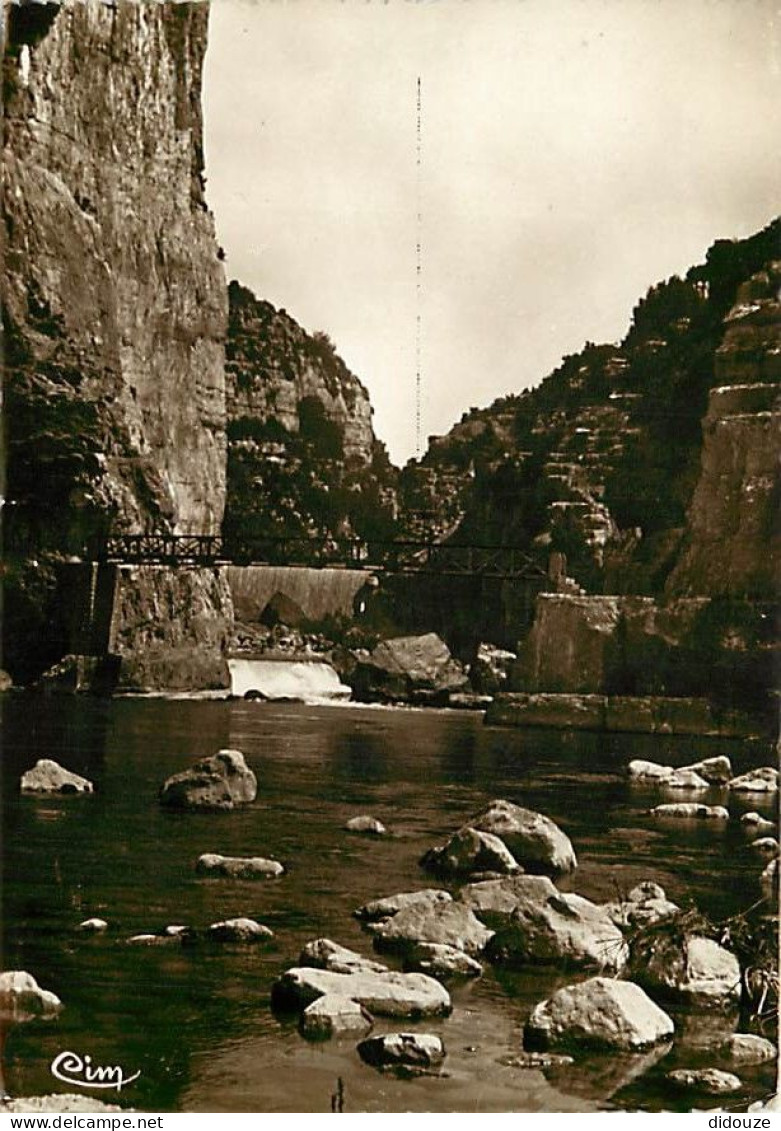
(114, 296)
(303, 460)
(733, 545)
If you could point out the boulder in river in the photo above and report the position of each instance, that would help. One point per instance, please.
(691, 811)
(563, 928)
(535, 841)
(754, 822)
(766, 847)
(21, 997)
(414, 1050)
(470, 852)
(390, 905)
(389, 994)
(324, 954)
(441, 961)
(493, 901)
(333, 1015)
(696, 969)
(406, 666)
(715, 771)
(238, 867)
(641, 770)
(707, 1081)
(448, 924)
(368, 826)
(93, 926)
(763, 780)
(749, 1048)
(221, 781)
(240, 931)
(48, 776)
(601, 1013)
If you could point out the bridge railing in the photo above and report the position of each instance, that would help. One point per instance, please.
(352, 553)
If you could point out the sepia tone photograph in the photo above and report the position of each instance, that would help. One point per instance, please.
(389, 688)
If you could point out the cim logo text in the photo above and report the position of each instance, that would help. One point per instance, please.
(79, 1070)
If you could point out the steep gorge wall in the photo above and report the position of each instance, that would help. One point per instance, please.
(115, 309)
(114, 297)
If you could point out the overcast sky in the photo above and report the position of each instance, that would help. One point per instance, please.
(573, 152)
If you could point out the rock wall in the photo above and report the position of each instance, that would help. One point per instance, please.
(733, 543)
(114, 297)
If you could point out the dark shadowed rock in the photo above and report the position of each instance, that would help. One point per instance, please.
(601, 1013)
(469, 852)
(368, 826)
(385, 908)
(323, 954)
(416, 1050)
(240, 931)
(333, 1015)
(447, 924)
(47, 776)
(220, 782)
(238, 867)
(536, 842)
(21, 997)
(766, 847)
(490, 669)
(707, 1081)
(441, 961)
(562, 928)
(389, 994)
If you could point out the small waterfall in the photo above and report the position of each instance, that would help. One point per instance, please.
(312, 682)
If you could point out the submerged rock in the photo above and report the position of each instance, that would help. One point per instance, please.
(332, 1015)
(697, 969)
(238, 867)
(390, 994)
(708, 1081)
(753, 822)
(323, 954)
(416, 1050)
(763, 780)
(221, 781)
(446, 924)
(470, 852)
(442, 961)
(21, 997)
(748, 1048)
(47, 776)
(535, 841)
(240, 931)
(390, 905)
(690, 810)
(601, 1013)
(369, 826)
(562, 928)
(537, 1060)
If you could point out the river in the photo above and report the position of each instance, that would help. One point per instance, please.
(196, 1021)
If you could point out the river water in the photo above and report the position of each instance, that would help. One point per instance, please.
(196, 1021)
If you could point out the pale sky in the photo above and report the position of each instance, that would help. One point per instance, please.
(573, 152)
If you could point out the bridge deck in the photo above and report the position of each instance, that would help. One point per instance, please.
(444, 559)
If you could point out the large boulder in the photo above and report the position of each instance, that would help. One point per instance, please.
(333, 1015)
(238, 867)
(696, 969)
(393, 1050)
(447, 924)
(324, 954)
(763, 780)
(222, 781)
(468, 853)
(390, 905)
(716, 770)
(21, 997)
(389, 994)
(601, 1013)
(398, 669)
(562, 928)
(654, 773)
(47, 776)
(536, 842)
(494, 901)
